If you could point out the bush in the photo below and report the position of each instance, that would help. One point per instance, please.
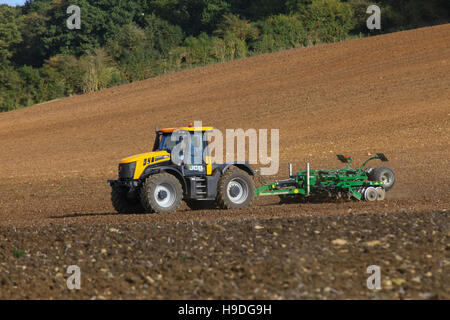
(63, 76)
(161, 36)
(10, 88)
(199, 50)
(32, 86)
(328, 21)
(278, 33)
(234, 27)
(98, 72)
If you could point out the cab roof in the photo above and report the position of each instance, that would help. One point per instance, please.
(188, 128)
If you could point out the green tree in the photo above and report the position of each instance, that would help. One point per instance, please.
(280, 32)
(10, 88)
(130, 50)
(297, 6)
(63, 76)
(234, 27)
(328, 20)
(161, 35)
(199, 50)
(9, 33)
(255, 10)
(58, 39)
(127, 40)
(32, 86)
(98, 71)
(193, 16)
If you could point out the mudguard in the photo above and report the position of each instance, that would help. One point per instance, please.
(241, 165)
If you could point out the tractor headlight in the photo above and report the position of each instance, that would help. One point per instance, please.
(126, 170)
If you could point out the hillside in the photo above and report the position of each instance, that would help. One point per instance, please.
(388, 94)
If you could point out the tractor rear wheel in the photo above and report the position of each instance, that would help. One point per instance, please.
(123, 203)
(161, 193)
(235, 189)
(385, 175)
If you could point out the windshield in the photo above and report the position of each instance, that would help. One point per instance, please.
(197, 144)
(166, 143)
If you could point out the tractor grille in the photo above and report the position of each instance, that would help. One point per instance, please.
(126, 170)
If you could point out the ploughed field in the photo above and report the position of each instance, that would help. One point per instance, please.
(306, 257)
(388, 94)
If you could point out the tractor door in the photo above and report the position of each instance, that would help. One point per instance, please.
(196, 165)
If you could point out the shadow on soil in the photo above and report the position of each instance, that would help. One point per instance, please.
(104, 214)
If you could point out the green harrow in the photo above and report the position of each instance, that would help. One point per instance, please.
(364, 183)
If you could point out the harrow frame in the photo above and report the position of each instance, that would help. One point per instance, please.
(338, 182)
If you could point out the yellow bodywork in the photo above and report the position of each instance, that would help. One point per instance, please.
(143, 160)
(190, 129)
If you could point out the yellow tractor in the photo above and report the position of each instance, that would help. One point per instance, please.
(157, 181)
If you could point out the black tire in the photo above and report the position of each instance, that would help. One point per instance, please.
(124, 204)
(167, 199)
(385, 175)
(201, 204)
(235, 180)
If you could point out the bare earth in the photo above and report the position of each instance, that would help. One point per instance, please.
(386, 94)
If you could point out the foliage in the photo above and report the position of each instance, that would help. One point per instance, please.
(9, 33)
(122, 41)
(328, 20)
(280, 32)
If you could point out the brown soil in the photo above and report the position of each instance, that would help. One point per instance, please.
(386, 94)
(296, 258)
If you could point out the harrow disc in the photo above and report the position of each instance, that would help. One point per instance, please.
(381, 194)
(371, 194)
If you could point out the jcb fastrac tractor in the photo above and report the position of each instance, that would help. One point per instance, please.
(153, 182)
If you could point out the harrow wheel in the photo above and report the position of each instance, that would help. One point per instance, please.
(371, 194)
(381, 194)
(385, 175)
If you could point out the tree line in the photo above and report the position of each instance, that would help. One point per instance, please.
(122, 41)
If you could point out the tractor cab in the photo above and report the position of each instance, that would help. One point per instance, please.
(192, 142)
(187, 146)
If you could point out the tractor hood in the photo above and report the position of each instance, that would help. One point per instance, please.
(148, 157)
(143, 160)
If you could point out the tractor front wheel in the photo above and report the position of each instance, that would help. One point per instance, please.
(161, 193)
(123, 202)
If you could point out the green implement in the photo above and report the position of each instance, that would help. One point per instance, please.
(364, 183)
